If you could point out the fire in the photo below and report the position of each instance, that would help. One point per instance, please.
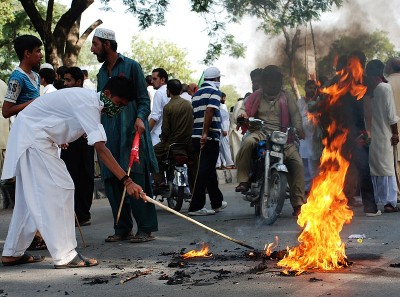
(270, 246)
(201, 253)
(326, 211)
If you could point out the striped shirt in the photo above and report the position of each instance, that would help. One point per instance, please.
(206, 96)
(22, 88)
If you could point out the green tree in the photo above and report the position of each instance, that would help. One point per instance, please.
(17, 25)
(231, 95)
(375, 45)
(63, 42)
(151, 54)
(282, 17)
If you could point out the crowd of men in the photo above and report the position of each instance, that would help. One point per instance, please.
(57, 130)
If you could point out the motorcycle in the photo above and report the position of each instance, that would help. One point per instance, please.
(175, 187)
(268, 180)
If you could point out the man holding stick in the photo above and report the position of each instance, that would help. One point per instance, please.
(120, 131)
(44, 188)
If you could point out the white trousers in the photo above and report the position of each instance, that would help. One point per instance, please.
(44, 201)
(385, 189)
(225, 156)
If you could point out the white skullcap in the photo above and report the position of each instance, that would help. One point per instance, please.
(46, 66)
(105, 34)
(212, 72)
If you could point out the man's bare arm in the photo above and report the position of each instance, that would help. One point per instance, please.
(9, 109)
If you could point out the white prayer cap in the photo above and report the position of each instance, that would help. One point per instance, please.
(46, 66)
(105, 34)
(212, 72)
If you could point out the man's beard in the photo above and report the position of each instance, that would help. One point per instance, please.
(102, 56)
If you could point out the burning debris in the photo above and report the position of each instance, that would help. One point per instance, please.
(203, 253)
(326, 211)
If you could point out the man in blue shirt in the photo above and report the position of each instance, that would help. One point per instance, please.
(205, 139)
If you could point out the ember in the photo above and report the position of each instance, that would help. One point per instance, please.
(326, 210)
(203, 253)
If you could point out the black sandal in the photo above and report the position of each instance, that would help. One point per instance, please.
(78, 262)
(26, 258)
(37, 244)
(388, 208)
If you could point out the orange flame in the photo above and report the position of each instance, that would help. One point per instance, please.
(270, 246)
(195, 254)
(326, 210)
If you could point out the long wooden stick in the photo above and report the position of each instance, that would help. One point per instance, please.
(395, 167)
(122, 201)
(80, 230)
(197, 223)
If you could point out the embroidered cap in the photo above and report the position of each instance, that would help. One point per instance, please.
(105, 34)
(212, 72)
(46, 66)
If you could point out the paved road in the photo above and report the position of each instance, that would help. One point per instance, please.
(228, 273)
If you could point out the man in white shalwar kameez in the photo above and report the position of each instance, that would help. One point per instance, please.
(311, 146)
(384, 135)
(225, 156)
(44, 189)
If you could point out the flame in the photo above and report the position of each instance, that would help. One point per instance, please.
(326, 210)
(201, 253)
(270, 246)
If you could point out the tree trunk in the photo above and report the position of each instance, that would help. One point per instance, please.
(291, 47)
(315, 52)
(74, 42)
(55, 43)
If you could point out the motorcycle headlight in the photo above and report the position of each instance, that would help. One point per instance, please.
(276, 148)
(279, 137)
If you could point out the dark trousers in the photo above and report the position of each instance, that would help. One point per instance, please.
(144, 213)
(359, 165)
(79, 159)
(206, 176)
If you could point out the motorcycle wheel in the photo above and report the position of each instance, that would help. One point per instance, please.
(269, 208)
(175, 201)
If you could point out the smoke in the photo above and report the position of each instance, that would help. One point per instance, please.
(355, 17)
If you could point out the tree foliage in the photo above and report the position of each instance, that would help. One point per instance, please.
(17, 25)
(152, 12)
(375, 45)
(152, 54)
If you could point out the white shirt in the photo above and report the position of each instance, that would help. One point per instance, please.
(87, 84)
(49, 89)
(186, 96)
(59, 117)
(160, 99)
(383, 116)
(224, 117)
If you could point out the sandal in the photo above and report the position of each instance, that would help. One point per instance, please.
(119, 237)
(142, 237)
(37, 244)
(78, 262)
(388, 208)
(26, 258)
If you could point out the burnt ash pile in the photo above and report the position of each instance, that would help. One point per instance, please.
(207, 270)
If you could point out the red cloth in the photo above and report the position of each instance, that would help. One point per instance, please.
(134, 157)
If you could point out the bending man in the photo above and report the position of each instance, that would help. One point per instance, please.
(44, 188)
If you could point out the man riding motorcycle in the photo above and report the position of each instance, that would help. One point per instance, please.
(272, 105)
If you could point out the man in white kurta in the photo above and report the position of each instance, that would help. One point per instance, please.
(311, 146)
(225, 156)
(44, 188)
(392, 69)
(383, 136)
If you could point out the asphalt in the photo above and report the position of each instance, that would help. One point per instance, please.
(155, 269)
